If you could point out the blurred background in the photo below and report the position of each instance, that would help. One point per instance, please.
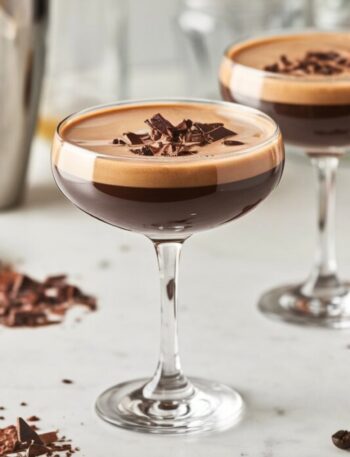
(60, 56)
(105, 50)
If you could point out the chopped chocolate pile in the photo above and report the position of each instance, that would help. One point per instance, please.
(166, 139)
(341, 439)
(25, 302)
(23, 441)
(312, 63)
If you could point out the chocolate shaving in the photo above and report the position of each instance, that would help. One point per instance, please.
(158, 122)
(313, 62)
(118, 141)
(134, 138)
(220, 133)
(233, 143)
(25, 302)
(165, 139)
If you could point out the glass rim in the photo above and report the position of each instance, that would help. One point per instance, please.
(261, 37)
(166, 100)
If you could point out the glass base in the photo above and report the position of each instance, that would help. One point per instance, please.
(289, 304)
(211, 407)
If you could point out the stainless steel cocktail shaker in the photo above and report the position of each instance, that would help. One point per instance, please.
(22, 54)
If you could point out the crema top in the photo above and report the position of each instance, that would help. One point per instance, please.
(295, 87)
(83, 147)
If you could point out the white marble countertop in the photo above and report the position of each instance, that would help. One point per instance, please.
(294, 380)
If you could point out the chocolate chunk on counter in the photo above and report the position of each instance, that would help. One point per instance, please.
(26, 434)
(25, 302)
(341, 439)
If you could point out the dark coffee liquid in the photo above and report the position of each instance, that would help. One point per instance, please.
(168, 210)
(309, 126)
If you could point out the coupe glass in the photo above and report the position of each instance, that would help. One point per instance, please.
(170, 402)
(322, 130)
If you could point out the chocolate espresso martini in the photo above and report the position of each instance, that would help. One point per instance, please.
(139, 178)
(303, 82)
(168, 169)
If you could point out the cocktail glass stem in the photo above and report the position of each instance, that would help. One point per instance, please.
(323, 281)
(168, 383)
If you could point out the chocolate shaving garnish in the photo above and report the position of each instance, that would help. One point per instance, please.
(67, 381)
(273, 68)
(312, 63)
(25, 302)
(167, 140)
(135, 138)
(119, 141)
(206, 128)
(220, 133)
(232, 143)
(144, 151)
(341, 439)
(284, 59)
(158, 122)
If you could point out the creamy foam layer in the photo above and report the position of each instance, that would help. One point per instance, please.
(84, 148)
(241, 69)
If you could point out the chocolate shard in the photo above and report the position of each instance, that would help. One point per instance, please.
(26, 434)
(194, 136)
(143, 151)
(135, 138)
(273, 68)
(184, 125)
(158, 122)
(48, 437)
(341, 439)
(206, 128)
(220, 133)
(35, 450)
(284, 59)
(232, 143)
(155, 135)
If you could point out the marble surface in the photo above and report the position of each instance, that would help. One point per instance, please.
(294, 380)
